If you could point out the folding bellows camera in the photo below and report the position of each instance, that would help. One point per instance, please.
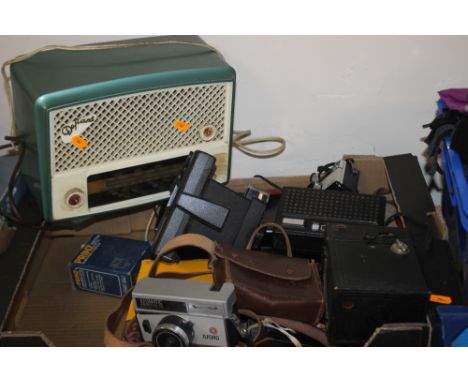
(109, 129)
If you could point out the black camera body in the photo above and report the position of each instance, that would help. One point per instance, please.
(201, 205)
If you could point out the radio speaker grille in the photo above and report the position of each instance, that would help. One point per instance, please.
(140, 124)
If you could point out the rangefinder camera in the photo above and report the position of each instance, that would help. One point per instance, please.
(174, 312)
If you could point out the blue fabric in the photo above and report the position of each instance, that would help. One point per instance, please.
(441, 105)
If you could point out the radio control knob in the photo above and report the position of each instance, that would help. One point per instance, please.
(74, 198)
(207, 133)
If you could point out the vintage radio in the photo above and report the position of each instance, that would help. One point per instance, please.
(107, 129)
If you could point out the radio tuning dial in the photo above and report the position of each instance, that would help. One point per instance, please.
(74, 199)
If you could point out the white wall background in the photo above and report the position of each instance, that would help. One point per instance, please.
(325, 95)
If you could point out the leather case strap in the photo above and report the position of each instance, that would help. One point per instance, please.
(188, 240)
(114, 320)
(278, 228)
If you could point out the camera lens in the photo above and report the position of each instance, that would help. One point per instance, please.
(173, 331)
(168, 339)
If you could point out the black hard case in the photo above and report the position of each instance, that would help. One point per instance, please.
(368, 285)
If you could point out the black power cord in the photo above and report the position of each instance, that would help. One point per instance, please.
(16, 217)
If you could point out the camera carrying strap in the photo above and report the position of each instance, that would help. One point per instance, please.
(187, 240)
(115, 321)
(287, 242)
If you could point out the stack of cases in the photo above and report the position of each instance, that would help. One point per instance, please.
(455, 205)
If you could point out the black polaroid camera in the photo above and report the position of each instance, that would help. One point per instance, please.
(201, 205)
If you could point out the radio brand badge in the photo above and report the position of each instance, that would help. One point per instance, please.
(76, 128)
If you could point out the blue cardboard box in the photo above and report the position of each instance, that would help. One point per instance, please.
(108, 265)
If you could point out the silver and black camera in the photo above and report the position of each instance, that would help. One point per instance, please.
(174, 312)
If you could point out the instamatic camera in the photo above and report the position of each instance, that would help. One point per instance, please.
(185, 313)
